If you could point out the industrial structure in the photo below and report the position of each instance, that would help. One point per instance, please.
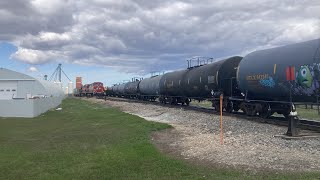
(24, 96)
(56, 78)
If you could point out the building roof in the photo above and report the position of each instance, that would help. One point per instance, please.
(39, 86)
(6, 74)
(51, 88)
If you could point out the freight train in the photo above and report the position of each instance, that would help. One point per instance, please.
(261, 83)
(89, 90)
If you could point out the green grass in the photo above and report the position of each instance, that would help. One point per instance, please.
(88, 141)
(204, 103)
(308, 113)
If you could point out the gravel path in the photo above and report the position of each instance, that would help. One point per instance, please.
(247, 144)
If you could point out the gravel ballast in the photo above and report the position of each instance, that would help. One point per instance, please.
(247, 144)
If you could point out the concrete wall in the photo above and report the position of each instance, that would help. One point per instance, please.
(28, 107)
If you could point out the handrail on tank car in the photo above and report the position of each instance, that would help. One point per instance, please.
(156, 73)
(201, 61)
(134, 79)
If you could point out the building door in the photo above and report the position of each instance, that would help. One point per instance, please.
(8, 89)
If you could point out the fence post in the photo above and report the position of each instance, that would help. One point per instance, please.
(221, 125)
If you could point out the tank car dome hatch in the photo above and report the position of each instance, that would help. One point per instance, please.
(24, 96)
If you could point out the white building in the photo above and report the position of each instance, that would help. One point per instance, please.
(24, 96)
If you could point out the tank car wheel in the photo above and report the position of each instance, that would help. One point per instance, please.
(173, 101)
(162, 100)
(253, 113)
(265, 114)
(236, 108)
(265, 111)
(187, 102)
(217, 107)
(165, 100)
(250, 112)
(229, 107)
(286, 114)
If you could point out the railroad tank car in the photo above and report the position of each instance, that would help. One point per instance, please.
(112, 91)
(275, 74)
(149, 88)
(120, 89)
(115, 90)
(131, 89)
(171, 89)
(109, 91)
(171, 83)
(219, 77)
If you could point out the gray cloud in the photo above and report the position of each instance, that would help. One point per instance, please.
(142, 36)
(19, 17)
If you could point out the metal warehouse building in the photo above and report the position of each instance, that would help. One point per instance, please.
(24, 96)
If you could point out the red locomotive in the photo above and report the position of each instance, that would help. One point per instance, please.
(95, 89)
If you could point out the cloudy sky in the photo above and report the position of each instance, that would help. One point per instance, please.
(113, 40)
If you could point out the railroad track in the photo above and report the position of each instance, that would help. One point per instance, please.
(281, 121)
(303, 123)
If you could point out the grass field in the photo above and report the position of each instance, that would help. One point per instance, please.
(88, 141)
(308, 113)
